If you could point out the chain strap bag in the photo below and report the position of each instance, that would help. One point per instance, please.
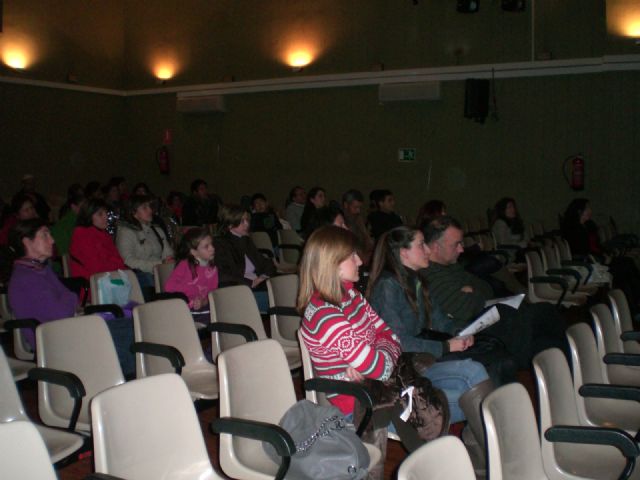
(327, 447)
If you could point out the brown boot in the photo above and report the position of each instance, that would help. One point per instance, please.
(473, 434)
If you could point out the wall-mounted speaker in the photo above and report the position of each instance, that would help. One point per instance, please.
(468, 6)
(476, 99)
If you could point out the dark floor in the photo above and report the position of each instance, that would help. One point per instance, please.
(395, 452)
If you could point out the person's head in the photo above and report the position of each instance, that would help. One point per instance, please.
(32, 239)
(352, 201)
(383, 199)
(196, 247)
(141, 188)
(578, 211)
(429, 211)
(506, 209)
(93, 213)
(74, 189)
(298, 195)
(74, 201)
(174, 200)
(28, 183)
(92, 190)
(140, 211)
(119, 182)
(111, 193)
(23, 208)
(444, 237)
(328, 260)
(321, 217)
(259, 203)
(235, 219)
(199, 189)
(400, 251)
(317, 197)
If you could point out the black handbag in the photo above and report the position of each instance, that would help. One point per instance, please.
(326, 445)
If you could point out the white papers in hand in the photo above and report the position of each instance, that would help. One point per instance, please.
(513, 301)
(485, 320)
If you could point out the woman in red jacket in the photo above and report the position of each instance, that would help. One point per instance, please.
(92, 249)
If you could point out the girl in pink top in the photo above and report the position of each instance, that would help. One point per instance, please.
(194, 275)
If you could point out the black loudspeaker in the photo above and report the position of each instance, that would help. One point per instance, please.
(468, 6)
(514, 5)
(476, 99)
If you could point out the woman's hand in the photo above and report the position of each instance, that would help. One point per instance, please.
(460, 344)
(199, 302)
(467, 289)
(353, 375)
(257, 281)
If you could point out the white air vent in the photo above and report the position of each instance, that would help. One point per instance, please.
(201, 104)
(402, 92)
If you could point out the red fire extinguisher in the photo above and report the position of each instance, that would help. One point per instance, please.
(162, 157)
(573, 171)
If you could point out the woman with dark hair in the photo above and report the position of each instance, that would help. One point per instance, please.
(142, 244)
(582, 234)
(238, 260)
(195, 274)
(92, 249)
(508, 227)
(429, 211)
(330, 215)
(36, 292)
(34, 289)
(399, 294)
(22, 208)
(315, 199)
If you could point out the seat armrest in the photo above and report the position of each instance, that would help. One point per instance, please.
(290, 246)
(598, 436)
(286, 311)
(169, 296)
(64, 379)
(566, 271)
(605, 390)
(631, 335)
(277, 436)
(500, 253)
(555, 281)
(326, 385)
(159, 350)
(631, 359)
(246, 331)
(20, 323)
(101, 476)
(506, 246)
(115, 310)
(265, 251)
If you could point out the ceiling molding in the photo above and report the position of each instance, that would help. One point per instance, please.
(444, 74)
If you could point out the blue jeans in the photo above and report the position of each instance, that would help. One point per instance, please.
(454, 378)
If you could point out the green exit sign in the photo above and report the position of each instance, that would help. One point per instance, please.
(407, 155)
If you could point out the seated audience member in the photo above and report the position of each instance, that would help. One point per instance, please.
(63, 228)
(22, 208)
(92, 249)
(175, 204)
(38, 201)
(295, 207)
(238, 260)
(581, 232)
(352, 201)
(383, 218)
(200, 208)
(195, 274)
(508, 227)
(141, 188)
(398, 293)
(75, 190)
(92, 190)
(115, 204)
(264, 219)
(36, 292)
(429, 211)
(461, 296)
(141, 244)
(321, 217)
(315, 199)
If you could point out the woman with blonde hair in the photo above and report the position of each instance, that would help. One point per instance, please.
(346, 338)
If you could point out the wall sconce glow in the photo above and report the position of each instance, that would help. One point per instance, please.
(15, 58)
(623, 18)
(164, 71)
(299, 58)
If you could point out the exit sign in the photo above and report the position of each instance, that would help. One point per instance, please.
(407, 155)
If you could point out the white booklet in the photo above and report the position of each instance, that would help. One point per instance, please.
(485, 320)
(513, 301)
